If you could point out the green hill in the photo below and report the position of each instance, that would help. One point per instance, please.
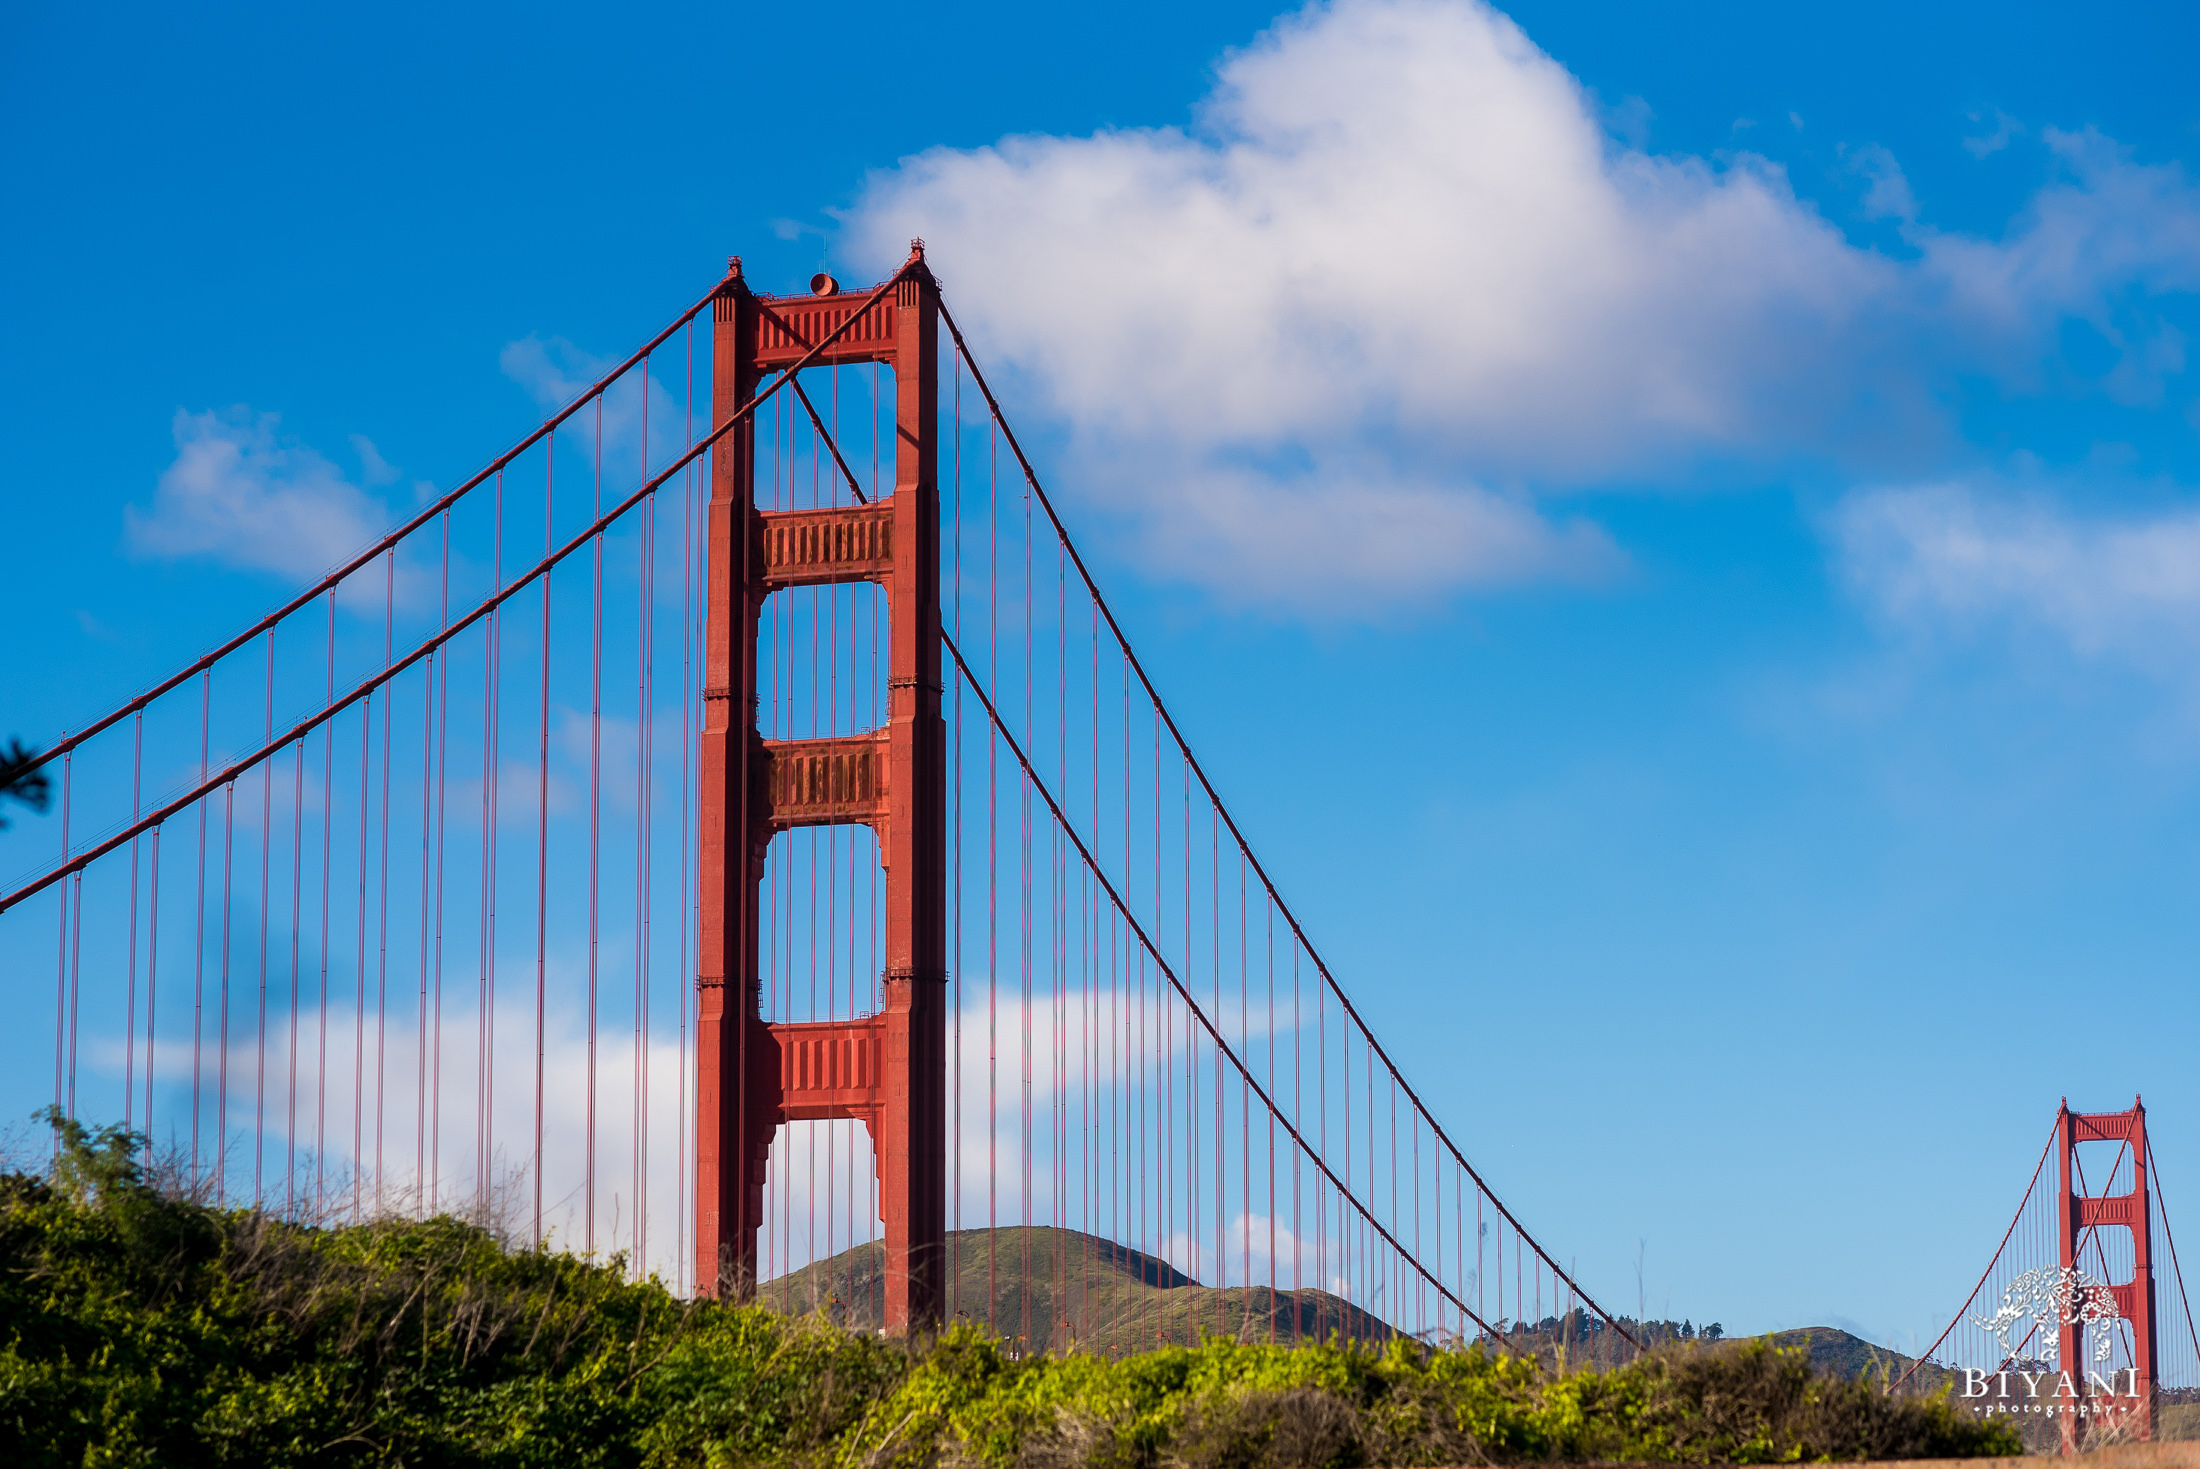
(1059, 1288)
(1838, 1353)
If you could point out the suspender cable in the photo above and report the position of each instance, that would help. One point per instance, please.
(1270, 936)
(595, 836)
(297, 920)
(129, 1007)
(328, 825)
(442, 810)
(359, 968)
(689, 733)
(542, 824)
(423, 1185)
(382, 889)
(957, 888)
(152, 988)
(198, 925)
(1024, 955)
(61, 963)
(221, 1045)
(644, 654)
(492, 790)
(992, 893)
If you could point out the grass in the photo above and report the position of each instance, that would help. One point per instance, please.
(141, 1328)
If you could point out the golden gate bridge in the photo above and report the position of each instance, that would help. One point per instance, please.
(2065, 1331)
(731, 829)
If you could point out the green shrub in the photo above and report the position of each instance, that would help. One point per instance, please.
(138, 1328)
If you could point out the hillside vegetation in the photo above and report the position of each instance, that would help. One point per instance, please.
(138, 1328)
(1041, 1288)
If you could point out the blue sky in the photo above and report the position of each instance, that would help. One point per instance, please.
(1736, 464)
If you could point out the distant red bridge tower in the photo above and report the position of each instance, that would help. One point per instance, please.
(2079, 1217)
(888, 1070)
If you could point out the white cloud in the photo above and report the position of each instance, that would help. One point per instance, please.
(1959, 558)
(1393, 209)
(1400, 252)
(2005, 129)
(2107, 225)
(373, 468)
(1888, 196)
(1334, 538)
(240, 494)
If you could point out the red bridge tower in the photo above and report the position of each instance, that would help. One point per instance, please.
(2079, 1215)
(888, 1069)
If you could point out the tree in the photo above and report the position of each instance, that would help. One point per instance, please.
(23, 776)
(93, 1164)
